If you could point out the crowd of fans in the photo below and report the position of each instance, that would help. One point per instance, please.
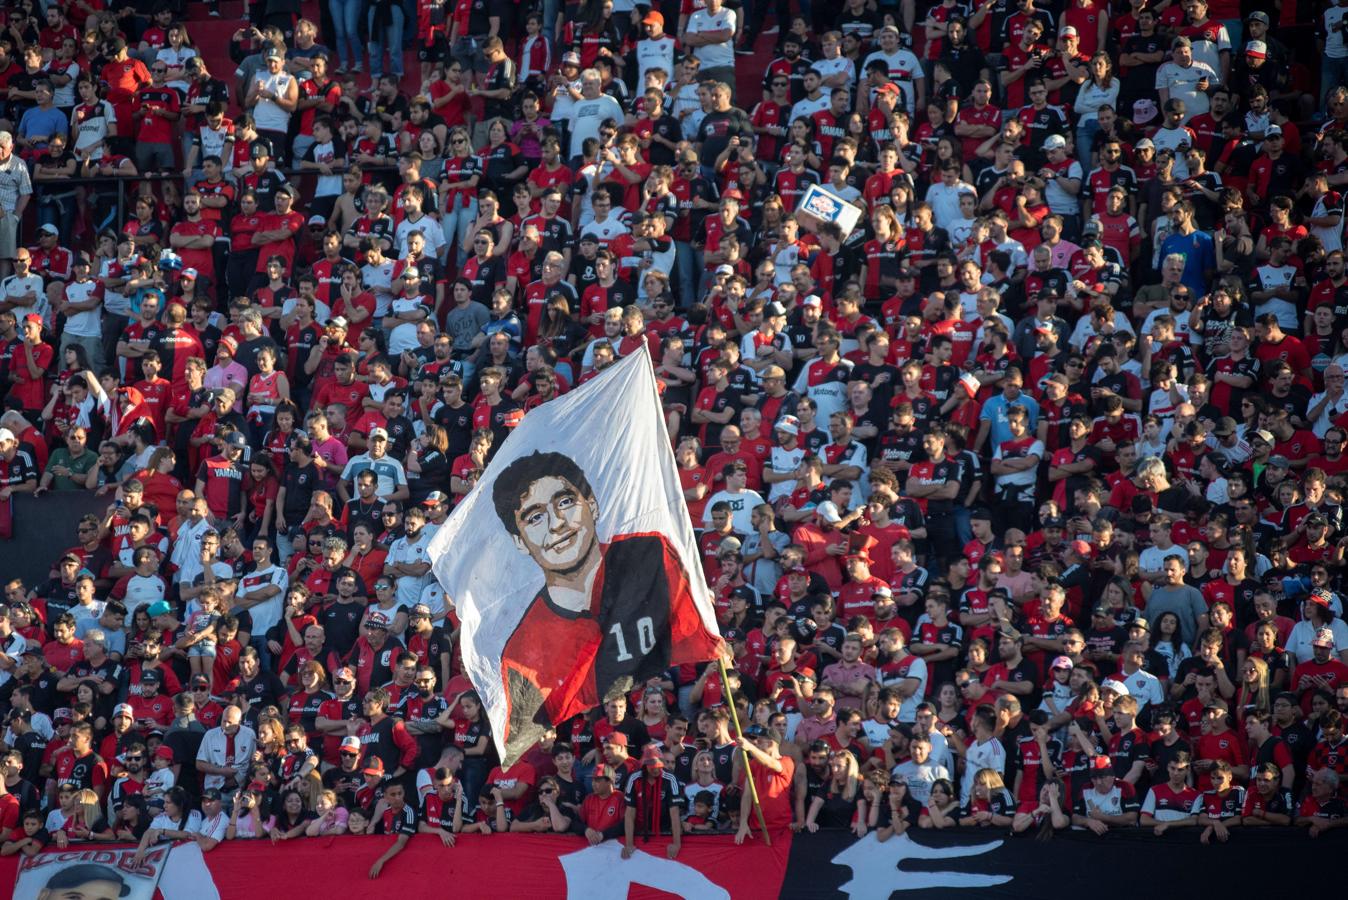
(1021, 501)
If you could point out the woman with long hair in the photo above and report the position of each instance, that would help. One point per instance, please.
(472, 734)
(1168, 640)
(943, 806)
(559, 329)
(654, 713)
(990, 803)
(261, 501)
(1100, 89)
(836, 805)
(308, 694)
(1253, 694)
(462, 173)
(177, 50)
(290, 820)
(178, 822)
(428, 464)
(267, 389)
(329, 816)
(161, 487)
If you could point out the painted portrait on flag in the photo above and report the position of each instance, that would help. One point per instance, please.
(572, 564)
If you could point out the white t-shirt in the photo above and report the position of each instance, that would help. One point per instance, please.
(587, 115)
(408, 589)
(714, 56)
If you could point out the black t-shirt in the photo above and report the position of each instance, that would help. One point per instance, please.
(300, 482)
(718, 128)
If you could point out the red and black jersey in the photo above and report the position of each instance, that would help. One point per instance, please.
(224, 486)
(1164, 798)
(636, 627)
(603, 814)
(1226, 805)
(88, 771)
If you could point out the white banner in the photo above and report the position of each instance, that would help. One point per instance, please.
(572, 564)
(94, 874)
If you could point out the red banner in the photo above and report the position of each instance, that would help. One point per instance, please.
(497, 866)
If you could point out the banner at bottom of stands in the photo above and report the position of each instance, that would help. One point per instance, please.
(969, 864)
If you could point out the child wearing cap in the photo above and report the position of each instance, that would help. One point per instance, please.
(161, 779)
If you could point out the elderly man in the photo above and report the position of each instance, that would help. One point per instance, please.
(16, 189)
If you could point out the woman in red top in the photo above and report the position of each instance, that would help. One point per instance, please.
(266, 391)
(261, 497)
(28, 367)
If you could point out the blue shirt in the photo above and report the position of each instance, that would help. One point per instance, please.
(1200, 257)
(43, 122)
(994, 411)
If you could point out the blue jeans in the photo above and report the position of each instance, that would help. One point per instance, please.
(455, 222)
(1333, 72)
(346, 21)
(391, 38)
(1086, 132)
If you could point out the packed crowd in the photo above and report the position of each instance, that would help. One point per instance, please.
(1021, 501)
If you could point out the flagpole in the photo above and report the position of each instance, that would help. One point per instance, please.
(739, 733)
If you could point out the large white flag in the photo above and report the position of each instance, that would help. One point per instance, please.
(572, 564)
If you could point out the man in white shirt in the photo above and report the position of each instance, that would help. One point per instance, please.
(407, 561)
(591, 110)
(944, 196)
(260, 592)
(741, 500)
(1142, 685)
(226, 752)
(710, 34)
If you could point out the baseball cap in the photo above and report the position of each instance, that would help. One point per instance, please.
(189, 273)
(1280, 461)
(236, 440)
(375, 767)
(211, 794)
(1062, 662)
(731, 544)
(123, 709)
(798, 570)
(275, 53)
(34, 318)
(1069, 31)
(340, 321)
(434, 498)
(350, 742)
(377, 620)
(1144, 144)
(1113, 684)
(828, 511)
(570, 59)
(724, 270)
(1100, 765)
(49, 228)
(1081, 548)
(650, 756)
(1144, 110)
(159, 608)
(378, 433)
(317, 220)
(1320, 597)
(1258, 16)
(6, 435)
(653, 18)
(605, 772)
(882, 591)
(811, 300)
(1054, 522)
(200, 681)
(1217, 703)
(164, 751)
(228, 342)
(61, 715)
(151, 676)
(617, 739)
(789, 424)
(1273, 130)
(1140, 622)
(1055, 142)
(420, 610)
(1324, 637)
(1257, 49)
(1226, 426)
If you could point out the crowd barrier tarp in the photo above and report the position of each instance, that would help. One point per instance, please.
(991, 864)
(44, 527)
(969, 864)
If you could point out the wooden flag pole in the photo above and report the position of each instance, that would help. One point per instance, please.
(739, 733)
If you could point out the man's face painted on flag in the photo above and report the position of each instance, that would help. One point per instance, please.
(557, 525)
